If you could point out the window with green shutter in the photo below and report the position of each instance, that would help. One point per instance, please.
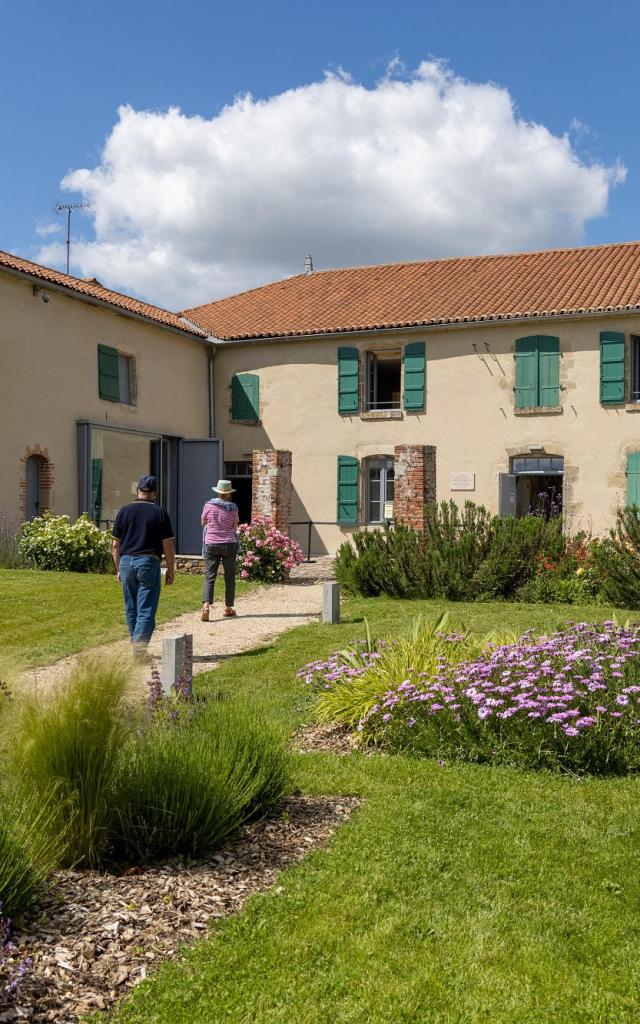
(537, 383)
(348, 380)
(414, 376)
(633, 479)
(348, 488)
(245, 397)
(108, 373)
(611, 367)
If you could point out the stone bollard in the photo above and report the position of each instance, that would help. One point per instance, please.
(176, 673)
(331, 603)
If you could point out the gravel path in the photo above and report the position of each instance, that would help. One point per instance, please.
(263, 614)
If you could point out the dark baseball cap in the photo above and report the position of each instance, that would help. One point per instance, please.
(148, 483)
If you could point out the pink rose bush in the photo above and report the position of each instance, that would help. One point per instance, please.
(266, 553)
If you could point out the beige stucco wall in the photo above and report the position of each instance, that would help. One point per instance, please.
(49, 380)
(469, 416)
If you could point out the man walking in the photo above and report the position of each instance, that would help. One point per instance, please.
(142, 533)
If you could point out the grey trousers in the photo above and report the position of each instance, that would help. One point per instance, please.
(213, 555)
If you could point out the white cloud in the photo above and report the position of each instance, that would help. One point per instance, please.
(187, 209)
(45, 230)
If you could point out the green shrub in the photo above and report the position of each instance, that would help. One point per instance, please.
(186, 785)
(71, 741)
(54, 542)
(617, 560)
(514, 553)
(29, 851)
(385, 561)
(465, 555)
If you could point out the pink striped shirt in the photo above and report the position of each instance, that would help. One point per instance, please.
(220, 521)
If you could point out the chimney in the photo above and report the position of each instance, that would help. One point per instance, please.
(308, 265)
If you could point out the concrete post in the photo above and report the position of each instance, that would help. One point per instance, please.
(176, 674)
(331, 603)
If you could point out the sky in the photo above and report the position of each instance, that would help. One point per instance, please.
(219, 144)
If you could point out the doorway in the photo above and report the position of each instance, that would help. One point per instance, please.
(533, 486)
(241, 477)
(34, 486)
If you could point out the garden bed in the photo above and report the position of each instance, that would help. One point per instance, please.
(98, 935)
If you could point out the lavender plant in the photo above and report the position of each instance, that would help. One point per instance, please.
(570, 700)
(13, 969)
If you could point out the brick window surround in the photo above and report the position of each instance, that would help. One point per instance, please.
(46, 479)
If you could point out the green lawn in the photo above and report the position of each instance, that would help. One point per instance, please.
(455, 895)
(47, 615)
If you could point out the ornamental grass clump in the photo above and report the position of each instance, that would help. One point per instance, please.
(351, 682)
(30, 846)
(266, 553)
(189, 782)
(567, 701)
(66, 747)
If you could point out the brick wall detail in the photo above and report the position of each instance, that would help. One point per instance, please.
(271, 487)
(46, 479)
(415, 483)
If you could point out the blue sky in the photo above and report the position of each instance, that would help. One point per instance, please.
(65, 69)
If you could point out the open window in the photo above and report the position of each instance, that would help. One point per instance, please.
(384, 374)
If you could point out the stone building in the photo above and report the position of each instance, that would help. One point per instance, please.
(96, 389)
(511, 381)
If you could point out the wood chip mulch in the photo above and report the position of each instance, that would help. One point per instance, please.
(329, 739)
(99, 935)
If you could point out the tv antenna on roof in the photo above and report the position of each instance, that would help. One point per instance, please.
(69, 207)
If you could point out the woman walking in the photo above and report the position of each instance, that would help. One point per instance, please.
(220, 521)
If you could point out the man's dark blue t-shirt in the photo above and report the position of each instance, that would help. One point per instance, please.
(141, 528)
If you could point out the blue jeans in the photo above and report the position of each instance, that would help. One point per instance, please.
(140, 578)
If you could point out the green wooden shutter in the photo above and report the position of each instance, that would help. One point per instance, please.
(633, 479)
(348, 380)
(108, 375)
(245, 397)
(611, 367)
(526, 373)
(548, 371)
(414, 376)
(348, 478)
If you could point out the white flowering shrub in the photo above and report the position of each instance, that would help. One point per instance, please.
(57, 543)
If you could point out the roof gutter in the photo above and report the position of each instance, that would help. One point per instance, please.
(421, 328)
(105, 304)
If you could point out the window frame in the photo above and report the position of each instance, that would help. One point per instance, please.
(126, 369)
(373, 357)
(633, 395)
(386, 464)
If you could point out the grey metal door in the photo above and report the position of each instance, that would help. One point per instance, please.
(199, 469)
(507, 494)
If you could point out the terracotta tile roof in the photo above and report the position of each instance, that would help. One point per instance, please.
(447, 291)
(93, 289)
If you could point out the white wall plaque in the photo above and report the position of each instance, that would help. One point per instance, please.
(462, 482)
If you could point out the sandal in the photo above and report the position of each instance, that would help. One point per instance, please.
(204, 615)
(229, 613)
